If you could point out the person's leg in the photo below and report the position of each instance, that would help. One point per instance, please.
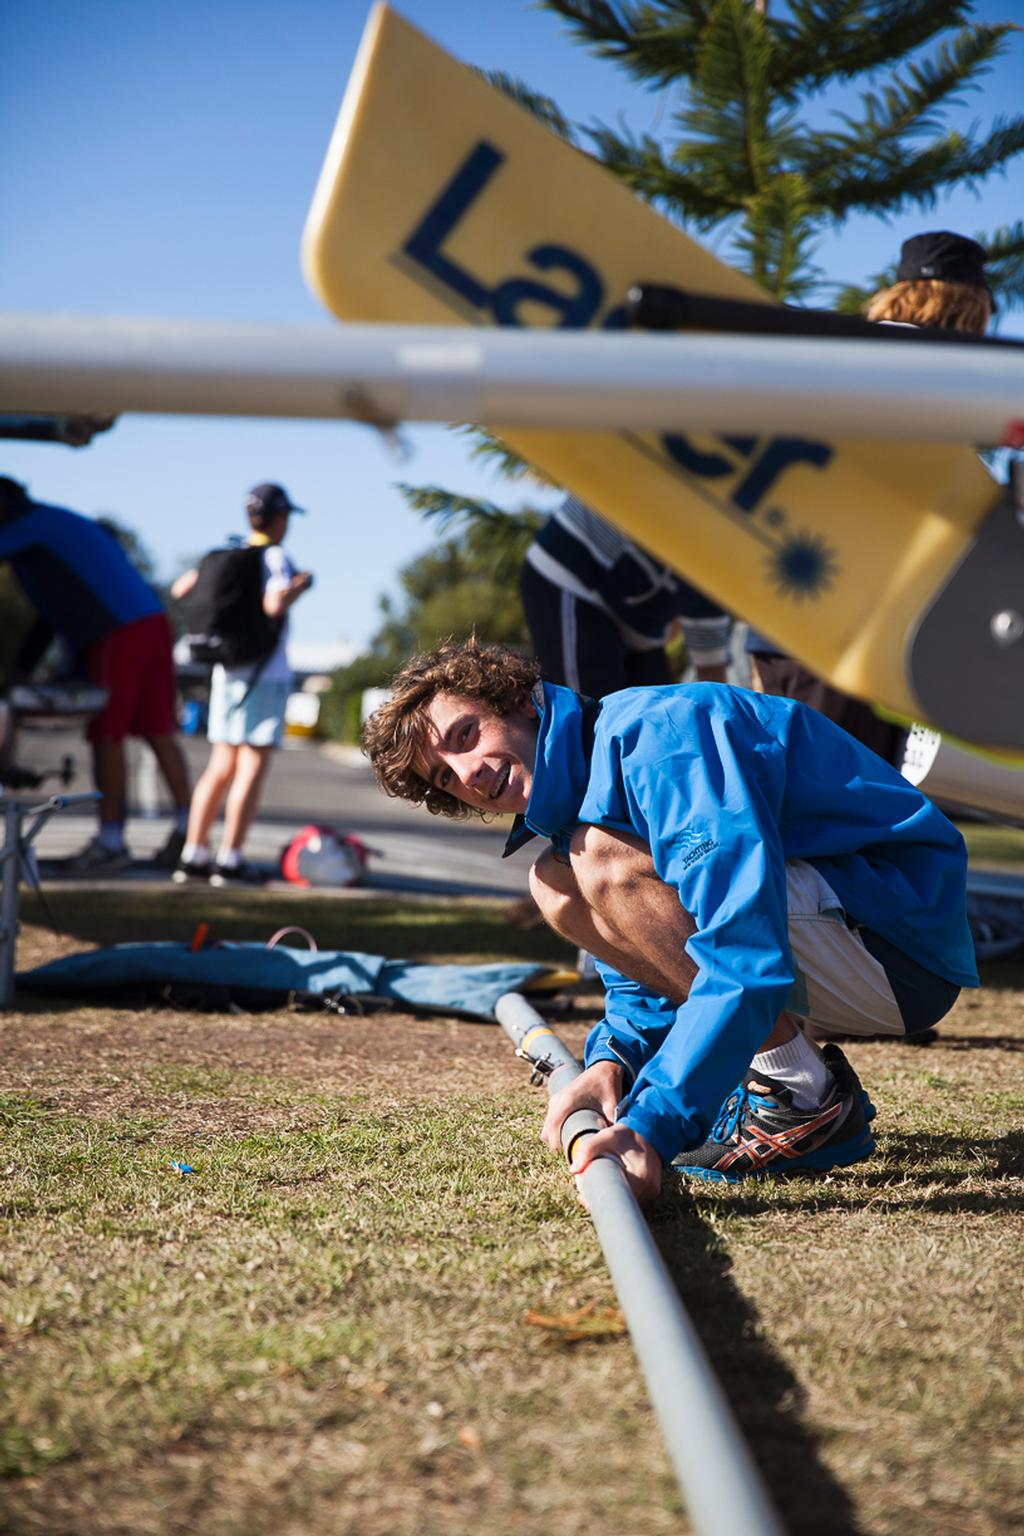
(108, 664)
(854, 982)
(258, 724)
(171, 762)
(847, 983)
(554, 889)
(208, 795)
(106, 852)
(243, 798)
(610, 901)
(596, 900)
(797, 1106)
(575, 642)
(612, 897)
(154, 718)
(153, 706)
(109, 776)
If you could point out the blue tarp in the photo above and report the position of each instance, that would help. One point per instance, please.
(248, 969)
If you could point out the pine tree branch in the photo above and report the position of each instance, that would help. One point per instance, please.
(486, 448)
(851, 298)
(830, 40)
(447, 507)
(679, 193)
(905, 107)
(778, 239)
(806, 43)
(897, 179)
(489, 539)
(734, 141)
(1005, 248)
(733, 79)
(656, 42)
(544, 108)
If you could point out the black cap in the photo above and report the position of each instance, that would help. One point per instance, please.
(268, 500)
(944, 256)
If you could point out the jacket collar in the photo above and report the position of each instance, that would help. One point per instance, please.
(565, 740)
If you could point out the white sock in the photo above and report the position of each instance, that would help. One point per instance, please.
(799, 1066)
(111, 836)
(195, 853)
(228, 858)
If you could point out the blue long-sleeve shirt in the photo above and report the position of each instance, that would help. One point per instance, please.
(725, 786)
(75, 574)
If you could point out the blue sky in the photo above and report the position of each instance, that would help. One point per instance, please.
(160, 159)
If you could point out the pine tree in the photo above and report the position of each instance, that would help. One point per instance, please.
(739, 154)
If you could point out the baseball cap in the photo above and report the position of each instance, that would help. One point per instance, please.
(268, 499)
(945, 256)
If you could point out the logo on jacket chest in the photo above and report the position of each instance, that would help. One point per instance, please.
(694, 843)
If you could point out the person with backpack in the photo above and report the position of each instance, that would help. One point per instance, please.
(236, 603)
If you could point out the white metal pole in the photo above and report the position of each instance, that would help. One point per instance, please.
(720, 1484)
(75, 364)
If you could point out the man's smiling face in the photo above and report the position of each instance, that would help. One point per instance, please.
(483, 759)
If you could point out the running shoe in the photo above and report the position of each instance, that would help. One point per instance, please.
(238, 874)
(169, 856)
(759, 1131)
(97, 859)
(190, 872)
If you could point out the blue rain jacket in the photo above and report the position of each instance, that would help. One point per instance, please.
(75, 574)
(725, 786)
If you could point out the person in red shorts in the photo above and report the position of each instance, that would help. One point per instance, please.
(85, 589)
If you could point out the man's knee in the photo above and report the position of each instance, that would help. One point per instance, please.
(554, 889)
(608, 865)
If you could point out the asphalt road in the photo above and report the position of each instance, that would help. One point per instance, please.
(414, 851)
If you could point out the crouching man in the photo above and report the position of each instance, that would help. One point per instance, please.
(749, 877)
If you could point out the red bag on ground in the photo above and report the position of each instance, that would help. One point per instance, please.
(324, 856)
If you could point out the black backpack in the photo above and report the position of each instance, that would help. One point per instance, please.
(224, 614)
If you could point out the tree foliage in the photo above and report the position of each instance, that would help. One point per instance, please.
(466, 583)
(741, 149)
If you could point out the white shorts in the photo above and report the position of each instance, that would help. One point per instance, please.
(237, 720)
(840, 988)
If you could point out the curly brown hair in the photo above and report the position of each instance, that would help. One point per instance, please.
(933, 301)
(394, 735)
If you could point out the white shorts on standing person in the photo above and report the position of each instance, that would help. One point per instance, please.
(247, 709)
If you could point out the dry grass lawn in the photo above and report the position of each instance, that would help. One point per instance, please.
(322, 1328)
